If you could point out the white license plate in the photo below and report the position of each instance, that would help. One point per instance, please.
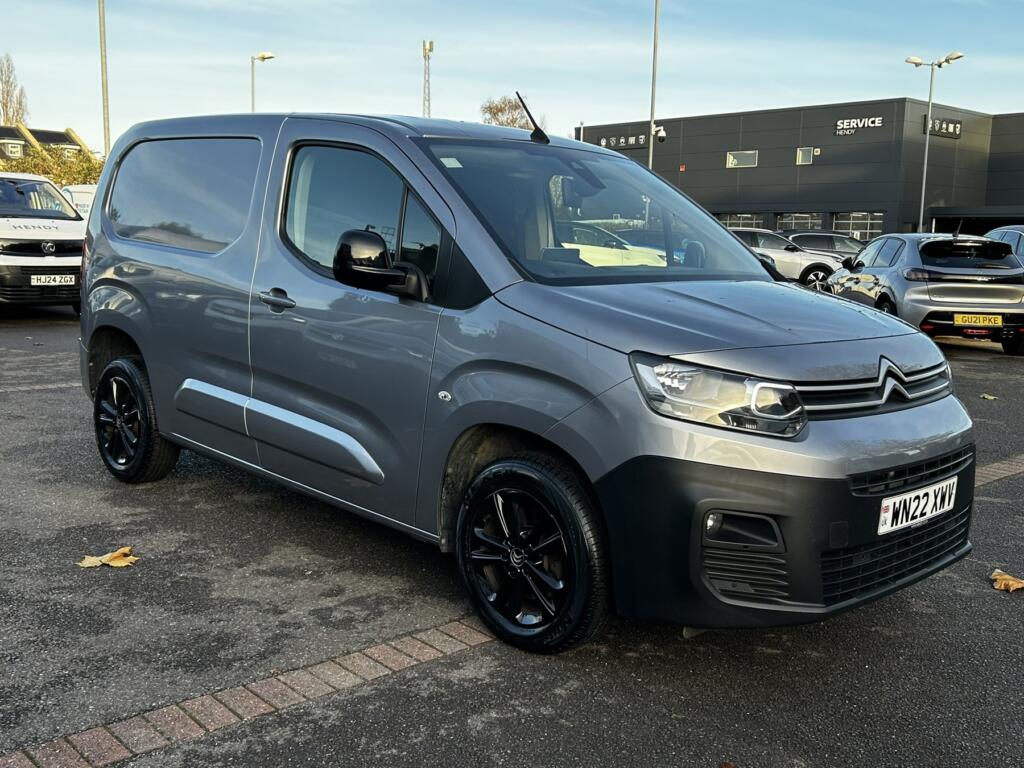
(917, 506)
(52, 280)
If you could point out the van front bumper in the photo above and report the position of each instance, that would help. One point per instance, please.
(827, 556)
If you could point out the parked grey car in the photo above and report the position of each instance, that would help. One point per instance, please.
(971, 287)
(1013, 235)
(811, 268)
(382, 313)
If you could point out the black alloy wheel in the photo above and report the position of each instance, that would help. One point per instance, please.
(887, 307)
(531, 555)
(118, 421)
(125, 422)
(521, 563)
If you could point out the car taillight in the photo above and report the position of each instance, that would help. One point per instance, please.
(916, 275)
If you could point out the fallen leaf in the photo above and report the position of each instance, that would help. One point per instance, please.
(988, 397)
(1004, 581)
(119, 558)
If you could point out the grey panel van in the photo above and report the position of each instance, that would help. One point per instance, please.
(534, 353)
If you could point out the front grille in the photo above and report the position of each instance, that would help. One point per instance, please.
(910, 476)
(855, 571)
(45, 270)
(892, 389)
(40, 293)
(751, 576)
(35, 247)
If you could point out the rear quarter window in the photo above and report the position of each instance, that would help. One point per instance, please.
(193, 194)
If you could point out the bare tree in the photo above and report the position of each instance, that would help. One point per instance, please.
(506, 110)
(13, 102)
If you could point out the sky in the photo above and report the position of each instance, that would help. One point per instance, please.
(573, 60)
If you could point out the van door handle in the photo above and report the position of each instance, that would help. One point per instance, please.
(277, 299)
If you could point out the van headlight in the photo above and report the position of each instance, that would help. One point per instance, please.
(718, 398)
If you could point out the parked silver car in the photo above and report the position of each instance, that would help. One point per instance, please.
(411, 320)
(823, 241)
(1014, 235)
(812, 268)
(972, 287)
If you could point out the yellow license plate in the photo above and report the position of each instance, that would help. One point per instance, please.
(984, 320)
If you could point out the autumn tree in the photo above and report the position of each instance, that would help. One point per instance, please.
(13, 102)
(507, 111)
(62, 168)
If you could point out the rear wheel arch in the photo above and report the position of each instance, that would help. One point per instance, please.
(107, 343)
(886, 299)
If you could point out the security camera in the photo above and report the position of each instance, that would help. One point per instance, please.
(659, 133)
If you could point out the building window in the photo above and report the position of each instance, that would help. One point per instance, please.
(804, 155)
(863, 226)
(799, 221)
(744, 158)
(741, 219)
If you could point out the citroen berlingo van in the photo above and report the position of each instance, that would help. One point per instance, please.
(444, 327)
(41, 237)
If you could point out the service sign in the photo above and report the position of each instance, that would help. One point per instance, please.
(850, 125)
(951, 129)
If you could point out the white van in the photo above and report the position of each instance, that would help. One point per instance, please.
(41, 236)
(81, 196)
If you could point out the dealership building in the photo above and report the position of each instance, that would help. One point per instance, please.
(854, 167)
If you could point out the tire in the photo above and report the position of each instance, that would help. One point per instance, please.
(887, 307)
(123, 409)
(532, 555)
(816, 277)
(1014, 347)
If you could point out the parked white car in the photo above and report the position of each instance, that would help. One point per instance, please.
(811, 268)
(41, 236)
(81, 196)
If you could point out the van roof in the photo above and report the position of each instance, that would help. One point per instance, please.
(419, 127)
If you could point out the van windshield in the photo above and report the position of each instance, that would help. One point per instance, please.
(33, 199)
(570, 216)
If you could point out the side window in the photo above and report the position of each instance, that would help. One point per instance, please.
(188, 193)
(774, 242)
(887, 253)
(332, 190)
(814, 241)
(870, 252)
(745, 235)
(421, 238)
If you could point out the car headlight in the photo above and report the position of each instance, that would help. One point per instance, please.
(717, 398)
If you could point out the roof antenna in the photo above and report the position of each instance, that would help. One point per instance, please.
(538, 134)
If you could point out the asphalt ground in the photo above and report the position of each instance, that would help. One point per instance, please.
(240, 579)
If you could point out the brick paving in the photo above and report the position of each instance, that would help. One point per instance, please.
(192, 718)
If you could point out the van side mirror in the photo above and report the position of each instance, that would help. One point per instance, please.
(362, 260)
(848, 262)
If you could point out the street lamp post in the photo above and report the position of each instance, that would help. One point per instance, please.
(654, 82)
(101, 6)
(262, 56)
(919, 62)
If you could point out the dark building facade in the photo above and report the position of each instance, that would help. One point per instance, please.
(855, 167)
